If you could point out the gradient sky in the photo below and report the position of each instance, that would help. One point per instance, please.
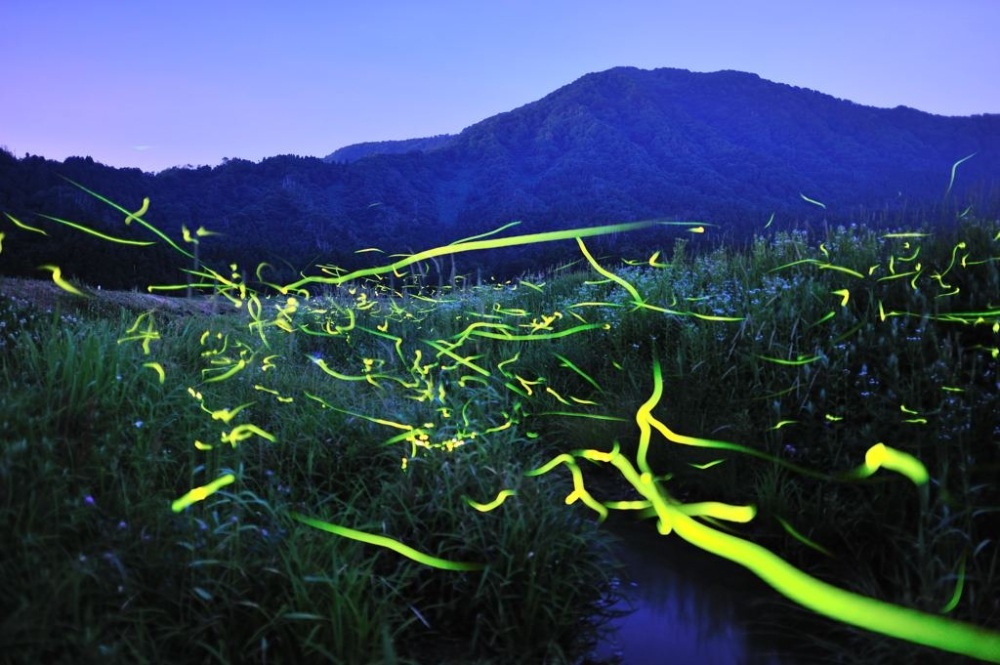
(160, 83)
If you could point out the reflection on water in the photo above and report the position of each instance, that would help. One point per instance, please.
(688, 606)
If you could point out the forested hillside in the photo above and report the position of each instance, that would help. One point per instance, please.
(727, 149)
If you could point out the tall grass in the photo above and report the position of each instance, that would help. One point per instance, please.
(392, 411)
(100, 569)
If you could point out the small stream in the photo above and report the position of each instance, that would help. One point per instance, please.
(689, 606)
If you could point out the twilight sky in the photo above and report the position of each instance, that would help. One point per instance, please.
(162, 83)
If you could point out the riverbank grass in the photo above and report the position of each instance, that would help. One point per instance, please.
(304, 438)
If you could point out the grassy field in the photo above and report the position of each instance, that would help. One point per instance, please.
(296, 433)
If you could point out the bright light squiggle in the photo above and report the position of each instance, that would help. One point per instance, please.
(202, 493)
(388, 543)
(360, 316)
(492, 505)
(61, 281)
(821, 597)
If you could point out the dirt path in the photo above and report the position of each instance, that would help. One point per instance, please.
(46, 295)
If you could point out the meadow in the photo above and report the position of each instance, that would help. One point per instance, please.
(368, 468)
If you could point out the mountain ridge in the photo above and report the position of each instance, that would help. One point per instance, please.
(354, 151)
(730, 132)
(726, 148)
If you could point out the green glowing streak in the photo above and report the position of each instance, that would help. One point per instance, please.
(954, 168)
(225, 415)
(692, 225)
(846, 271)
(502, 363)
(515, 389)
(826, 317)
(464, 361)
(643, 417)
(129, 216)
(969, 317)
(389, 543)
(486, 507)
(579, 490)
(627, 505)
(559, 397)
(706, 465)
(708, 317)
(821, 265)
(830, 601)
(899, 275)
(569, 365)
(794, 533)
(319, 362)
(716, 509)
(954, 256)
(471, 246)
(673, 515)
(636, 298)
(823, 598)
(62, 283)
(959, 585)
(536, 336)
(909, 259)
(158, 368)
(202, 493)
(801, 360)
(480, 236)
(881, 455)
(465, 334)
(179, 287)
(574, 414)
(102, 236)
(812, 201)
(595, 304)
(243, 432)
(236, 367)
(646, 421)
(147, 336)
(18, 223)
(408, 429)
(145, 316)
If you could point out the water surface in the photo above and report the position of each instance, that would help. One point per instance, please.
(689, 606)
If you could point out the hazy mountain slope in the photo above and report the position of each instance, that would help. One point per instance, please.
(356, 151)
(671, 142)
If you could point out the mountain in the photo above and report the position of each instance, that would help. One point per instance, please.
(356, 151)
(633, 143)
(726, 148)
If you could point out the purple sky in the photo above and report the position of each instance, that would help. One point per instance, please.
(161, 83)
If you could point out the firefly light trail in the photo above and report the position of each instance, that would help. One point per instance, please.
(452, 366)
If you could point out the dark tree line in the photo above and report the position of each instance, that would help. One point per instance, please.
(727, 149)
